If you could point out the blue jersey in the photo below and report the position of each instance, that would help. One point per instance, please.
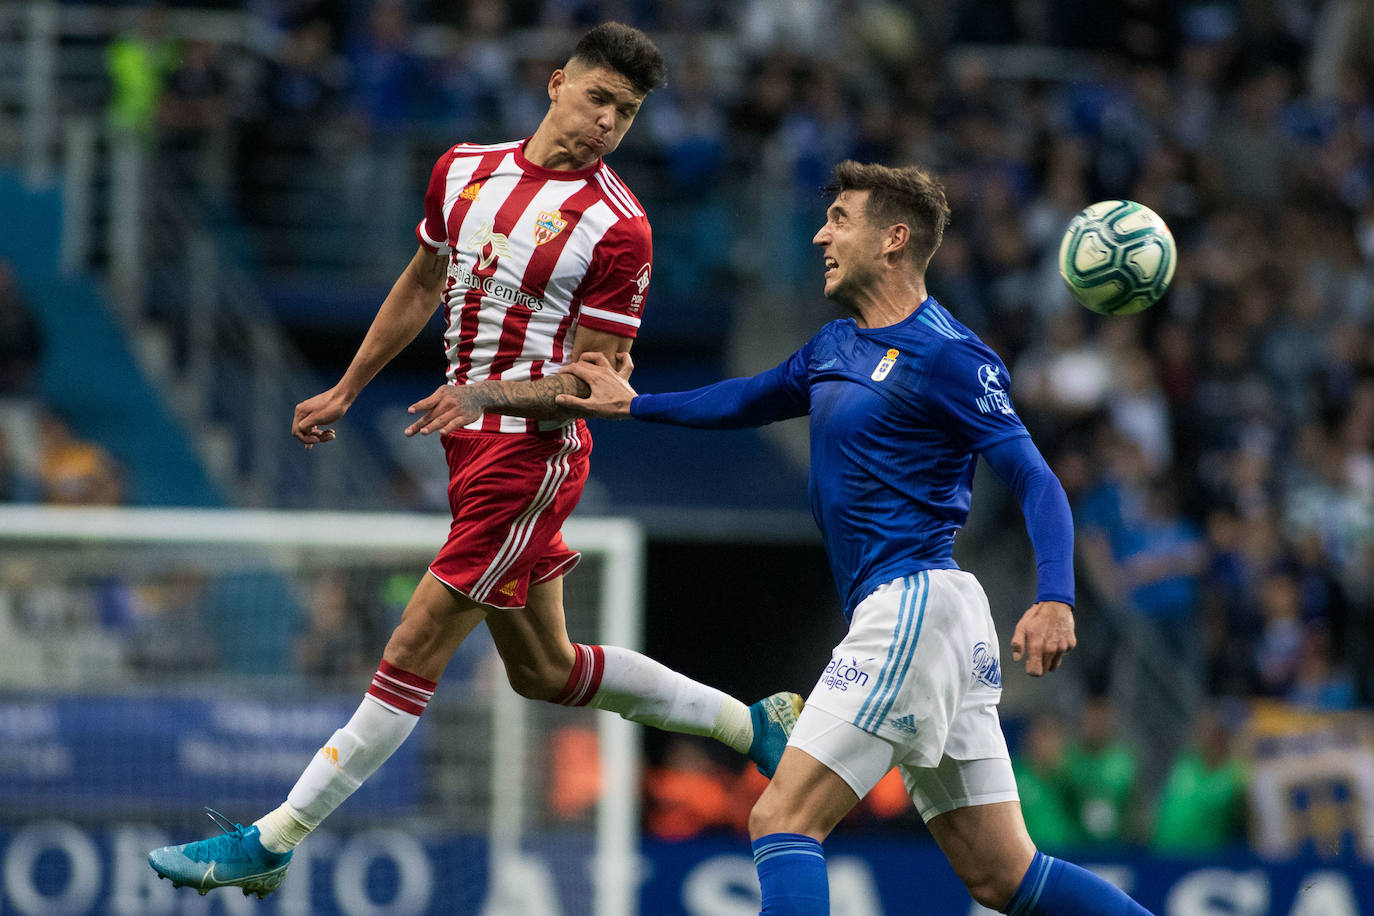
(898, 416)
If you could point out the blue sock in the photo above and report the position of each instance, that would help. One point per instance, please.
(1063, 889)
(792, 875)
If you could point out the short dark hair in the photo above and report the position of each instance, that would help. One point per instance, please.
(624, 49)
(908, 195)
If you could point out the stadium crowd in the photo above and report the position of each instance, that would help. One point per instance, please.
(1218, 449)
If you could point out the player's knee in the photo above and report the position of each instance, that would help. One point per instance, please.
(537, 680)
(991, 888)
(760, 821)
(768, 816)
(412, 640)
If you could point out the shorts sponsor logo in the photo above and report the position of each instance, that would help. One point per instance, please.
(509, 588)
(986, 668)
(840, 675)
(906, 723)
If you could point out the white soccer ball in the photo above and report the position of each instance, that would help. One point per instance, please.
(1117, 257)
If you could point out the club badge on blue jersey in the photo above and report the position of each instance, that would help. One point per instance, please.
(885, 365)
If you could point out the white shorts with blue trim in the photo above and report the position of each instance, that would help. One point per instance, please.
(915, 683)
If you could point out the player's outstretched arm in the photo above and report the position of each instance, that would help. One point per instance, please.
(403, 314)
(1043, 636)
(451, 407)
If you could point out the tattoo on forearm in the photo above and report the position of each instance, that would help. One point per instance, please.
(534, 399)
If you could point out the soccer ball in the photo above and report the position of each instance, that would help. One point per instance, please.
(1117, 257)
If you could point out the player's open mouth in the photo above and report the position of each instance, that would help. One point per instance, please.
(831, 264)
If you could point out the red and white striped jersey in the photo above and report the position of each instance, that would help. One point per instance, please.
(534, 255)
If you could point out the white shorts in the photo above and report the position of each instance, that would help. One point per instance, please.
(915, 684)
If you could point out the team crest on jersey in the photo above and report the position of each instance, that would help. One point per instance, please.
(488, 244)
(548, 225)
(994, 399)
(471, 191)
(885, 365)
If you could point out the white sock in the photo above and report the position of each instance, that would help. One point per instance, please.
(352, 754)
(644, 691)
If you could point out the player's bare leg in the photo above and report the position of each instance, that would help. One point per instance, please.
(805, 797)
(803, 803)
(533, 642)
(988, 847)
(433, 625)
(993, 855)
(543, 663)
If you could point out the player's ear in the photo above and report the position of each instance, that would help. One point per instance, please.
(557, 79)
(897, 239)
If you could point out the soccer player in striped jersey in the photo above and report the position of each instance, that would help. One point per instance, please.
(539, 255)
(903, 400)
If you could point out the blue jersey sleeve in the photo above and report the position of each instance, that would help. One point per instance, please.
(968, 396)
(1049, 521)
(778, 394)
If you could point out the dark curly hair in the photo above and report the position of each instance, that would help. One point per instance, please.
(624, 49)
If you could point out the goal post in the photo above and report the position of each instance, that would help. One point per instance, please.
(53, 559)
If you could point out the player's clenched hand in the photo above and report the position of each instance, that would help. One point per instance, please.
(312, 417)
(1043, 636)
(450, 407)
(610, 393)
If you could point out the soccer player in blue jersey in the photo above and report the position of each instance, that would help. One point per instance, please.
(903, 400)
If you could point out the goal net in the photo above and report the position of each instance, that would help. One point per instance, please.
(156, 661)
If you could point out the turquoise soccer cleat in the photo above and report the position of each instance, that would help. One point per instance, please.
(774, 717)
(234, 859)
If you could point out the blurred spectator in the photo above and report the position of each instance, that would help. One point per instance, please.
(76, 472)
(138, 62)
(332, 643)
(1320, 680)
(1139, 410)
(194, 114)
(1161, 557)
(386, 80)
(1042, 781)
(469, 76)
(1280, 640)
(687, 794)
(166, 633)
(299, 99)
(1203, 804)
(17, 485)
(1064, 379)
(1254, 150)
(575, 774)
(21, 338)
(687, 122)
(1230, 620)
(1102, 775)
